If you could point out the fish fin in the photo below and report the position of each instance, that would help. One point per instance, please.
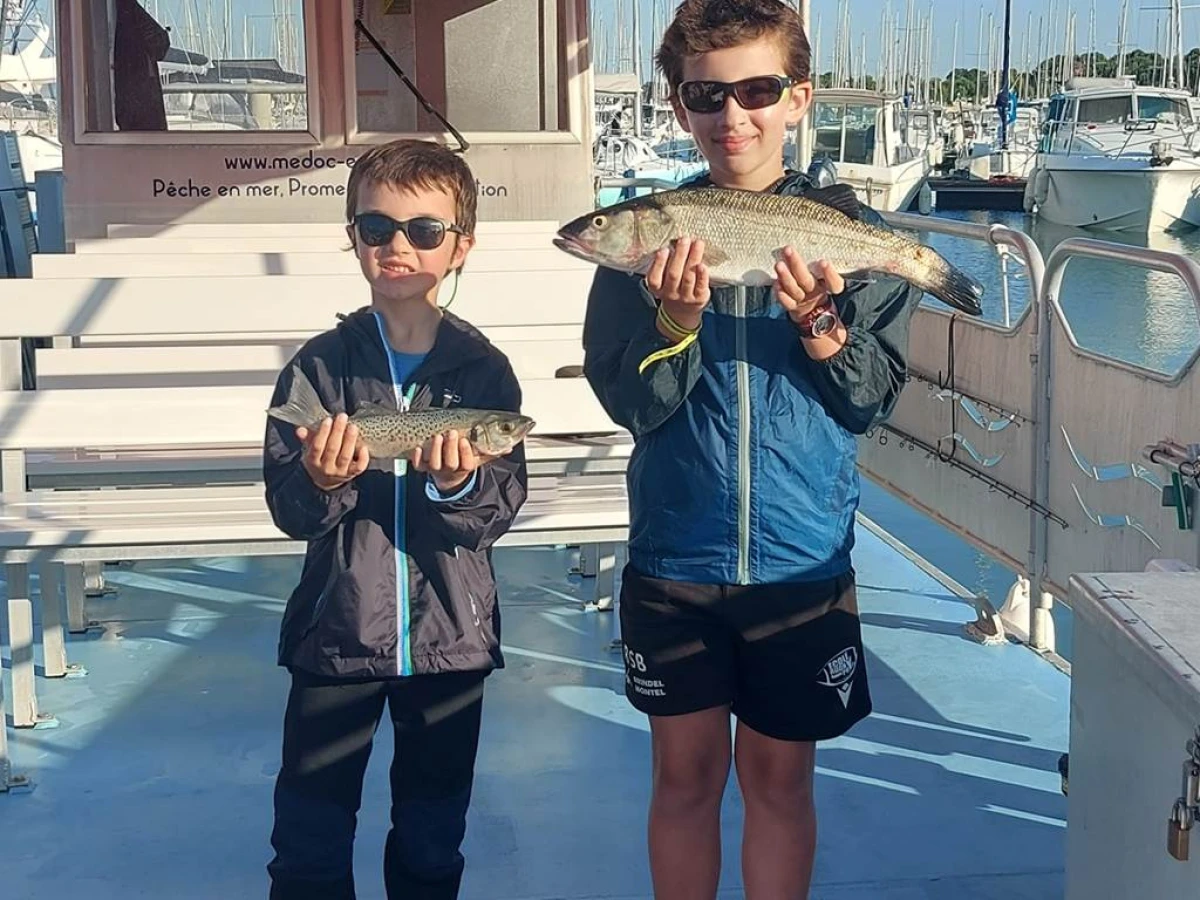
(371, 408)
(959, 290)
(303, 407)
(838, 196)
(861, 276)
(714, 256)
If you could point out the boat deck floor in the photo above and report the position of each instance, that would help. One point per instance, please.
(157, 782)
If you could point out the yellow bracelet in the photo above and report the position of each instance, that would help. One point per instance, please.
(674, 330)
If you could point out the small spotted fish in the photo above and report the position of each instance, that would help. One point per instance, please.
(389, 434)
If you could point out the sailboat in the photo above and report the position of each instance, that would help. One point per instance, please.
(28, 78)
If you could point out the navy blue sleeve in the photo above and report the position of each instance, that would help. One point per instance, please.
(299, 508)
(480, 513)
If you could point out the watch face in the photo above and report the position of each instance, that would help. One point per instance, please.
(824, 324)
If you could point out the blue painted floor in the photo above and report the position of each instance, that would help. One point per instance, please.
(157, 784)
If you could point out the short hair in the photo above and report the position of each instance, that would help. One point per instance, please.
(701, 26)
(407, 164)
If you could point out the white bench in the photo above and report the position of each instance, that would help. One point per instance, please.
(306, 303)
(214, 364)
(332, 261)
(280, 242)
(57, 529)
(258, 309)
(483, 228)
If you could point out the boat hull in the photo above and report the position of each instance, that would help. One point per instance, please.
(886, 188)
(1102, 195)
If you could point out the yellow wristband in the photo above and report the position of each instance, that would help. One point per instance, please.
(673, 329)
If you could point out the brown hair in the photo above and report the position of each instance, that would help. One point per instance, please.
(406, 164)
(700, 26)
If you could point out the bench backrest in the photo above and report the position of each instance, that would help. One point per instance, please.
(215, 417)
(281, 242)
(286, 303)
(331, 262)
(300, 229)
(245, 364)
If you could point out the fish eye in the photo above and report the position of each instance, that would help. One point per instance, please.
(506, 426)
(599, 221)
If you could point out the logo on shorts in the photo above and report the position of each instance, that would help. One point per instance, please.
(838, 673)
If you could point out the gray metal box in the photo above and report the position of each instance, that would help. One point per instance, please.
(1135, 704)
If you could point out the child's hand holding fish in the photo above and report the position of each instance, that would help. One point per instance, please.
(449, 459)
(801, 287)
(678, 279)
(333, 454)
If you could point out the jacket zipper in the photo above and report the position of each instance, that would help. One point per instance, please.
(743, 405)
(404, 664)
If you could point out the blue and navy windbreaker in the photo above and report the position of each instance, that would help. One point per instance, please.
(744, 468)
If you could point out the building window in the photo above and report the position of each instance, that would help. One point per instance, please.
(196, 66)
(485, 65)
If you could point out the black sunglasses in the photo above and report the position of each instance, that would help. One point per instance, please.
(423, 232)
(750, 93)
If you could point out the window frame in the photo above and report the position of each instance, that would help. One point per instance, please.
(568, 86)
(305, 138)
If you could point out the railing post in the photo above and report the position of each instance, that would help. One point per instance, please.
(1040, 603)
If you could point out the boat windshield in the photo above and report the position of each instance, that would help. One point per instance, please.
(1119, 109)
(846, 131)
(1105, 110)
(1164, 109)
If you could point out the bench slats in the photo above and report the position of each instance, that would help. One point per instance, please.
(247, 364)
(222, 416)
(598, 508)
(298, 229)
(280, 243)
(334, 262)
(80, 306)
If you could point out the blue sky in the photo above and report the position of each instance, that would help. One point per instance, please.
(865, 16)
(184, 15)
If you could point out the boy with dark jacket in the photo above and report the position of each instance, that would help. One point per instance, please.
(396, 604)
(739, 596)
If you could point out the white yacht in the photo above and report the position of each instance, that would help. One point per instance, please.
(1118, 157)
(865, 134)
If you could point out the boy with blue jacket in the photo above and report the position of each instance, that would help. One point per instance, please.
(739, 596)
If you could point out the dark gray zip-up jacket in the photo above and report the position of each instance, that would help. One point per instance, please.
(394, 583)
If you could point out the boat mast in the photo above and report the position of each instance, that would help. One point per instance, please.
(1177, 36)
(1121, 38)
(637, 70)
(954, 62)
(1002, 100)
(804, 126)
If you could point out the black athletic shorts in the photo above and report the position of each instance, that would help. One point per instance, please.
(787, 658)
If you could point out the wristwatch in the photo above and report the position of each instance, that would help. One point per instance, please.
(820, 321)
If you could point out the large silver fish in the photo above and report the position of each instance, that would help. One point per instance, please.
(745, 233)
(389, 434)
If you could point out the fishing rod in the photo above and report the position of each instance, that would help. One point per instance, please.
(394, 66)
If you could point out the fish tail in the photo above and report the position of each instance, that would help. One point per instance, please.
(303, 407)
(947, 283)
